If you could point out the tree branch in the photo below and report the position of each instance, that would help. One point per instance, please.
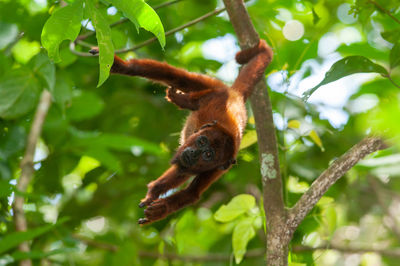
(27, 169)
(382, 251)
(277, 247)
(335, 171)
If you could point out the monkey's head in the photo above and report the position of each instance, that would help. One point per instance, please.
(208, 149)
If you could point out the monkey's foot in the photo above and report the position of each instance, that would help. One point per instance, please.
(94, 50)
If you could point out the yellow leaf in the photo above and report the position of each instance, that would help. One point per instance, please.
(294, 124)
(314, 136)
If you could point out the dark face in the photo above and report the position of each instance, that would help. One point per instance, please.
(205, 150)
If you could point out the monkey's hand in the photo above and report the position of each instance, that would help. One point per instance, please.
(246, 55)
(156, 211)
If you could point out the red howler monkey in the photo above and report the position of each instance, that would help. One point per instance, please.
(212, 133)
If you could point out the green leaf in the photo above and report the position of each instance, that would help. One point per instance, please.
(237, 206)
(395, 55)
(316, 18)
(44, 69)
(348, 66)
(249, 138)
(85, 105)
(392, 36)
(105, 157)
(64, 24)
(103, 35)
(5, 188)
(242, 234)
(19, 93)
(13, 239)
(142, 15)
(62, 92)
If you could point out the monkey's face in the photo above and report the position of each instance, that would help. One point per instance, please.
(206, 150)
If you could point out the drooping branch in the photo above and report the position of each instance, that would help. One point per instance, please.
(27, 169)
(335, 171)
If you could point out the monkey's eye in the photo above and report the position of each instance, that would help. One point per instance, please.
(202, 141)
(208, 155)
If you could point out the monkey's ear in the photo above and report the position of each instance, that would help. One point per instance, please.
(227, 164)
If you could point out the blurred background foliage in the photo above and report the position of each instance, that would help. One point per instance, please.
(100, 146)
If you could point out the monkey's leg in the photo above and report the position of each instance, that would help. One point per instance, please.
(162, 207)
(256, 59)
(171, 178)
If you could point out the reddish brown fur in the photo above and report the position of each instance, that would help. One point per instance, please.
(210, 100)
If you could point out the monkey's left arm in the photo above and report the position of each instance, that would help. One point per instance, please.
(163, 207)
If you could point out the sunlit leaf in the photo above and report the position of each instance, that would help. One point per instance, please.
(294, 124)
(316, 139)
(237, 206)
(103, 35)
(249, 138)
(348, 66)
(242, 234)
(142, 15)
(64, 24)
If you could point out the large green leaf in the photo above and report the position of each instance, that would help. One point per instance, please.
(395, 56)
(19, 93)
(103, 35)
(237, 206)
(347, 66)
(142, 15)
(64, 24)
(242, 234)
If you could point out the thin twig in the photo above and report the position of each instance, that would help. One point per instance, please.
(387, 12)
(151, 40)
(210, 257)
(27, 169)
(335, 171)
(9, 47)
(382, 251)
(121, 21)
(96, 244)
